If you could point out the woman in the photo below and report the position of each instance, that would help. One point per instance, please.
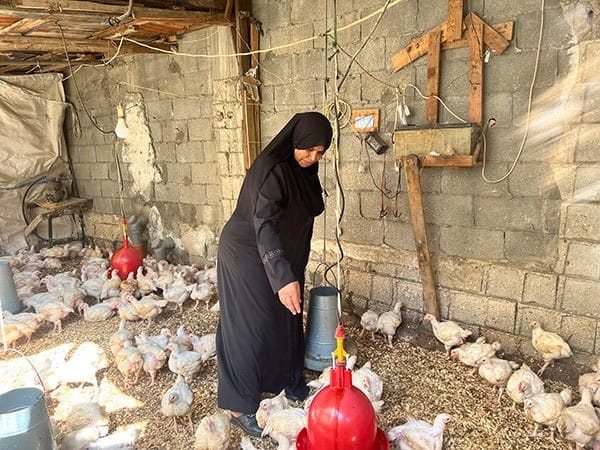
(263, 251)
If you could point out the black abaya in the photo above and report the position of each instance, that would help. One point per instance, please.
(262, 248)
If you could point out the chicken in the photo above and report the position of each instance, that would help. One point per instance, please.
(98, 312)
(579, 423)
(471, 352)
(81, 367)
(591, 381)
(181, 338)
(545, 409)
(117, 340)
(213, 432)
(161, 339)
(202, 292)
(89, 414)
(284, 426)
(178, 294)
(523, 375)
(550, 345)
(12, 333)
(268, 406)
(177, 402)
(389, 321)
(205, 345)
(145, 284)
(126, 311)
(146, 308)
(370, 383)
(129, 285)
(26, 323)
(130, 363)
(368, 322)
(111, 286)
(154, 357)
(419, 434)
(54, 312)
(186, 363)
(72, 297)
(448, 333)
(93, 285)
(496, 371)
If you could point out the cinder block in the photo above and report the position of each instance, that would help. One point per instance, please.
(203, 173)
(480, 243)
(87, 154)
(109, 188)
(176, 131)
(531, 246)
(583, 260)
(190, 152)
(82, 171)
(399, 235)
(499, 106)
(193, 193)
(179, 173)
(508, 10)
(512, 72)
(540, 289)
(410, 294)
(90, 189)
(166, 192)
(281, 36)
(304, 11)
(100, 171)
(588, 139)
(468, 181)
(208, 214)
(359, 283)
(581, 297)
(580, 332)
(382, 290)
(521, 213)
(582, 221)
(278, 70)
(159, 109)
(587, 188)
(103, 205)
(213, 194)
(275, 14)
(363, 231)
(186, 108)
(548, 318)
(504, 282)
(444, 209)
(459, 275)
(533, 180)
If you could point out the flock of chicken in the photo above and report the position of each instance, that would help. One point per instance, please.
(578, 424)
(98, 294)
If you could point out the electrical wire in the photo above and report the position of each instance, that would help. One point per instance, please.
(385, 7)
(528, 117)
(75, 83)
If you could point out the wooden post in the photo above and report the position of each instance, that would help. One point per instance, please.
(433, 76)
(415, 199)
(475, 72)
(455, 19)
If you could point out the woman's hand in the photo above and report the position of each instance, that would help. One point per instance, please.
(289, 296)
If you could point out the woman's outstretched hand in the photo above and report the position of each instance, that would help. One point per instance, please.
(289, 296)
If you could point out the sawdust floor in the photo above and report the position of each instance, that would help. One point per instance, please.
(418, 381)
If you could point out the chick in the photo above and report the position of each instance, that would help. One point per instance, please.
(213, 433)
(389, 321)
(448, 333)
(177, 402)
(550, 345)
(368, 321)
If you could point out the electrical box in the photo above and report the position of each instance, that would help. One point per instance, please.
(444, 140)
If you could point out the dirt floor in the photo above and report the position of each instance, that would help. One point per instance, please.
(418, 381)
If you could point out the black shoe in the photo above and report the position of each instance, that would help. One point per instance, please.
(297, 395)
(247, 422)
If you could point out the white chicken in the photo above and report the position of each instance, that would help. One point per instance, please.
(591, 381)
(205, 345)
(268, 406)
(202, 292)
(117, 340)
(145, 284)
(177, 402)
(545, 409)
(523, 375)
(550, 345)
(284, 426)
(368, 322)
(178, 294)
(419, 434)
(389, 321)
(111, 286)
(448, 333)
(130, 363)
(54, 312)
(147, 308)
(579, 423)
(97, 312)
(496, 371)
(213, 432)
(186, 363)
(471, 352)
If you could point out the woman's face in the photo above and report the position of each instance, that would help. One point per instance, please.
(306, 157)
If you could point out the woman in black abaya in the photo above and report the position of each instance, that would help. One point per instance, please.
(263, 251)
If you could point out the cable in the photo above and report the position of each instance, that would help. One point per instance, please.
(527, 122)
(385, 7)
(75, 83)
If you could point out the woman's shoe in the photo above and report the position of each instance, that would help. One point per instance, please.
(247, 422)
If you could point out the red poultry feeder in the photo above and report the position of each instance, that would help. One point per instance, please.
(126, 259)
(341, 416)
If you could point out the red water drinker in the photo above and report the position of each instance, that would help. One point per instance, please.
(126, 259)
(341, 416)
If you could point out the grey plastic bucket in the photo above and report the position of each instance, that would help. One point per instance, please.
(321, 322)
(8, 292)
(24, 421)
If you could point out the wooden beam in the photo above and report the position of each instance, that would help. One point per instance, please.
(433, 76)
(38, 45)
(489, 36)
(455, 19)
(415, 200)
(505, 29)
(416, 48)
(475, 72)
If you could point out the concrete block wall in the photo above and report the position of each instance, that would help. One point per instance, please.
(504, 253)
(181, 99)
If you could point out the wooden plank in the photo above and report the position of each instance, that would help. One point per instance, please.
(22, 26)
(255, 45)
(228, 10)
(504, 28)
(38, 45)
(489, 36)
(455, 19)
(415, 49)
(475, 72)
(417, 217)
(33, 225)
(447, 161)
(242, 34)
(433, 76)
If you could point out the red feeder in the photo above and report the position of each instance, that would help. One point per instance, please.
(341, 416)
(126, 259)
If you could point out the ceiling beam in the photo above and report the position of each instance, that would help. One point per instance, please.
(46, 44)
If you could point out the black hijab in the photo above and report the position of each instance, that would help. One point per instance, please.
(303, 131)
